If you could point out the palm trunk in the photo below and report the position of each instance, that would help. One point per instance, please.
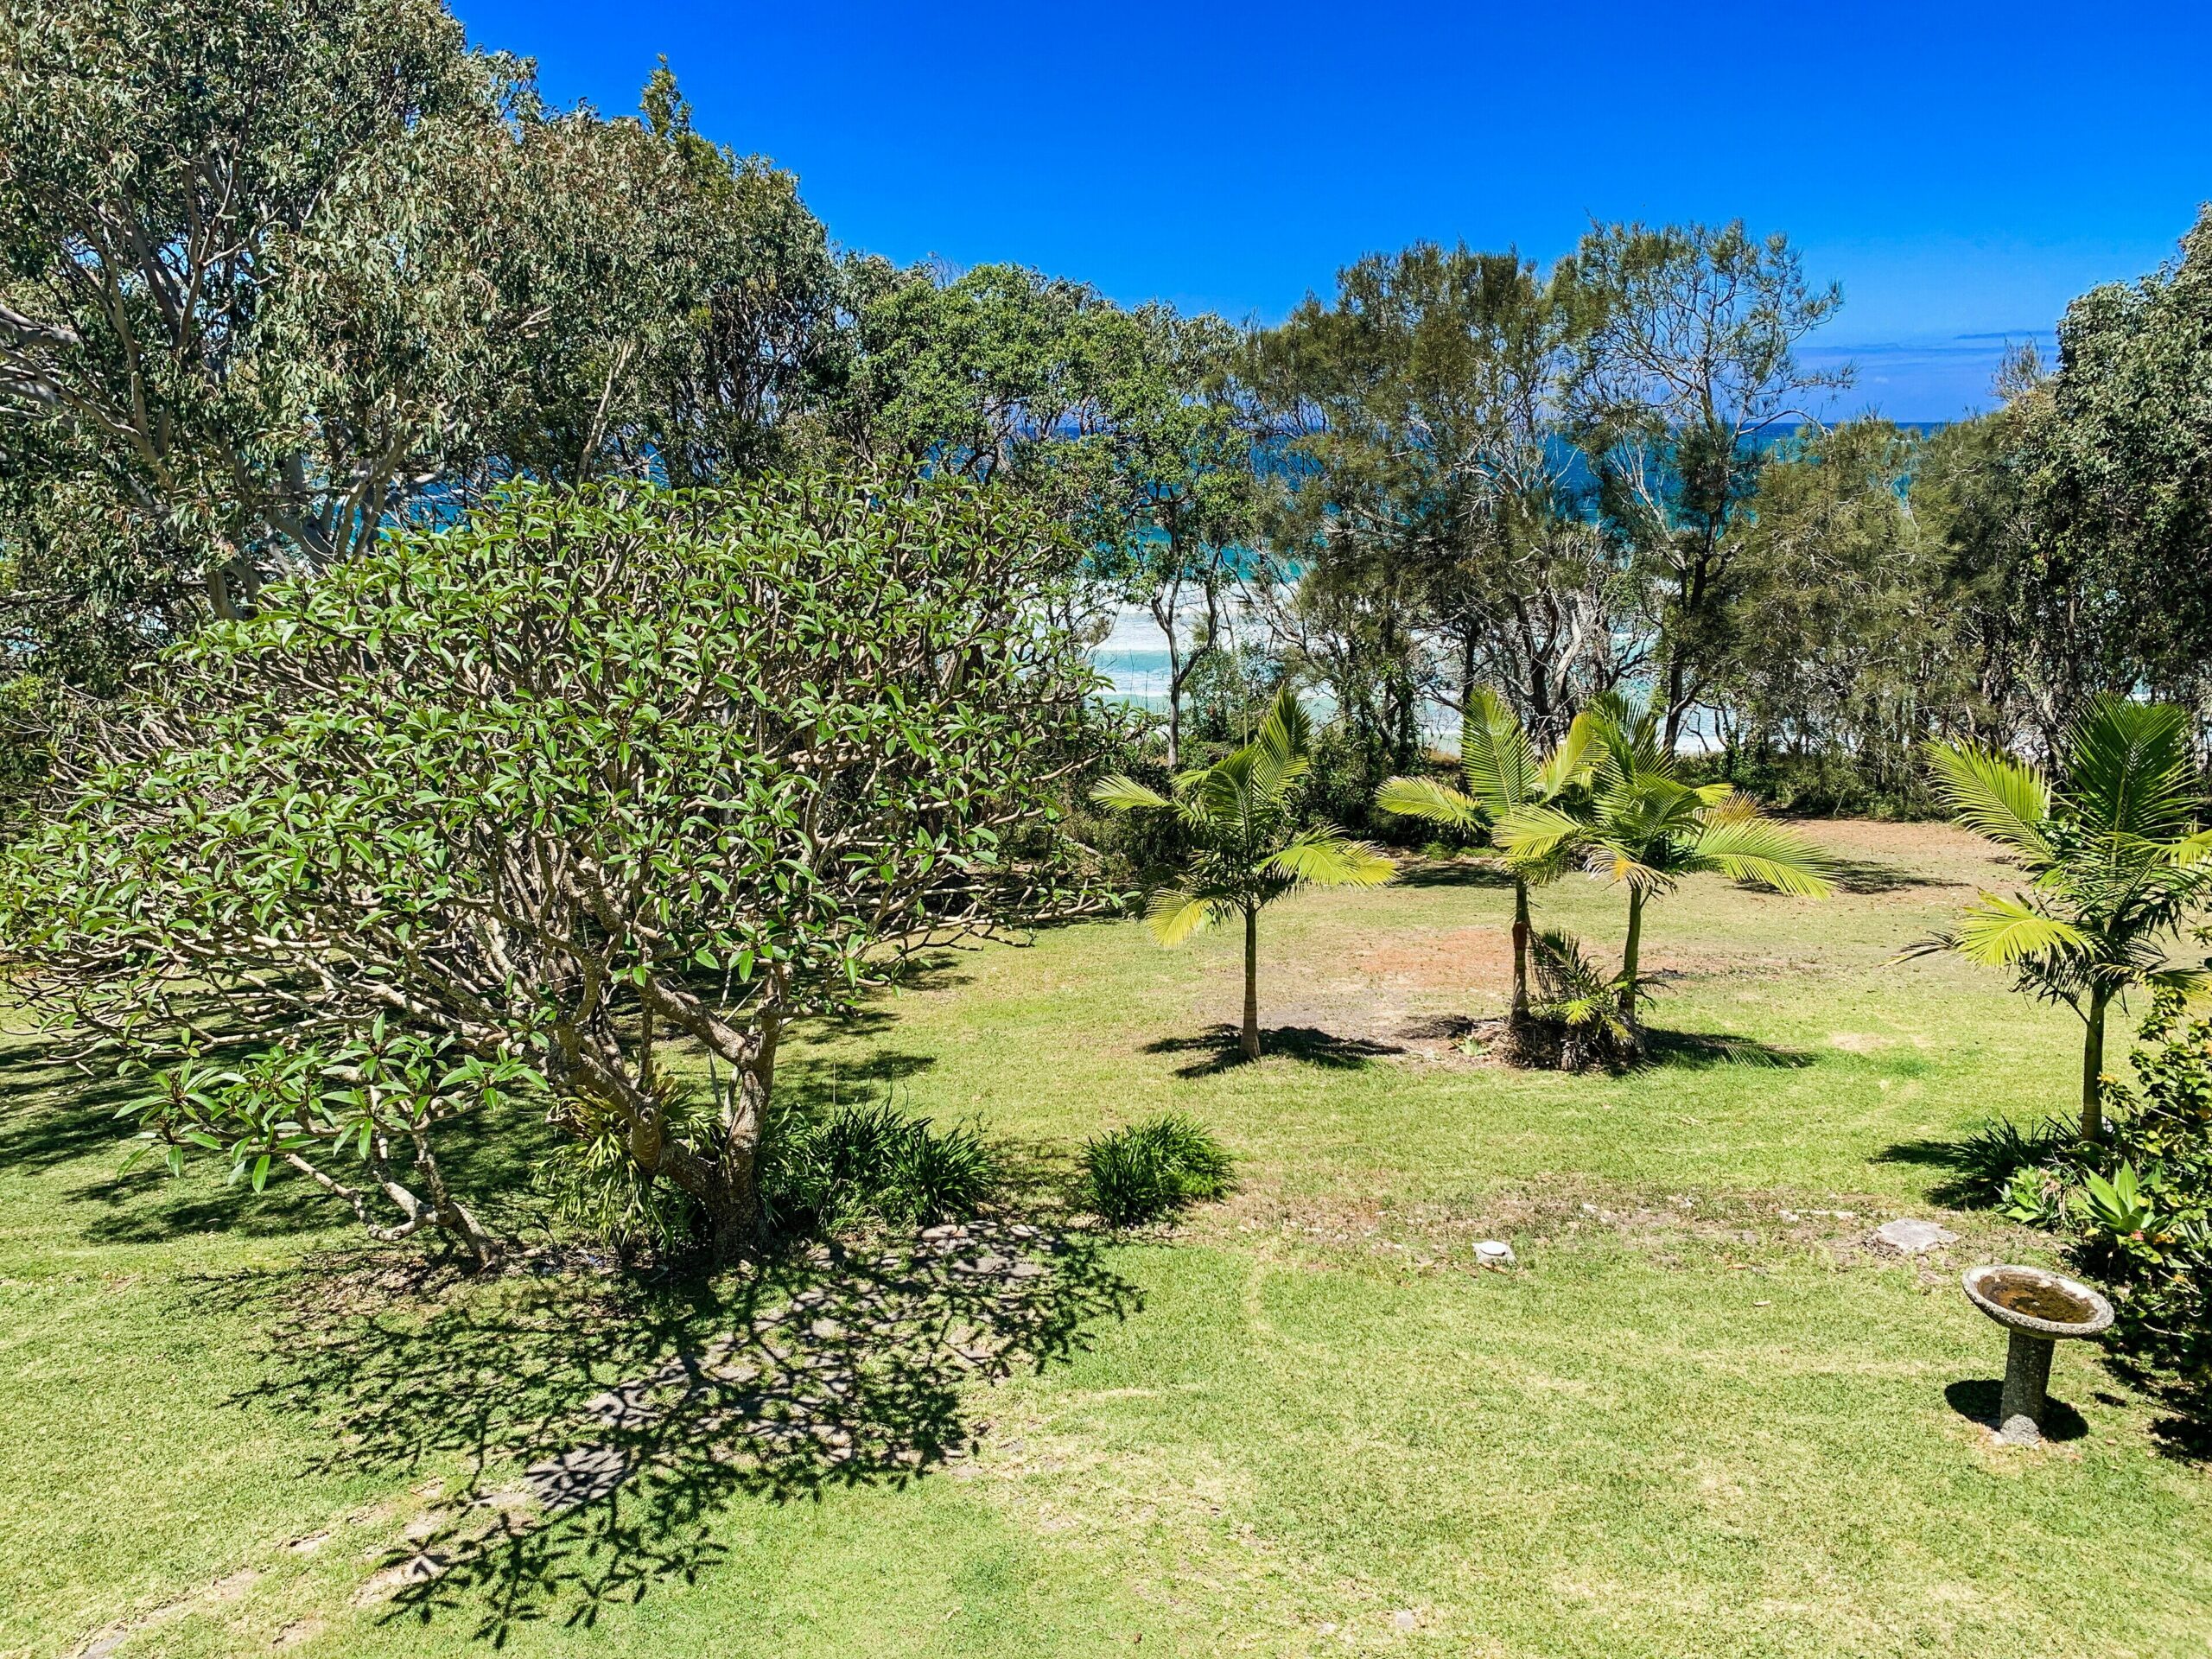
(2093, 1067)
(1249, 1041)
(1628, 954)
(1520, 951)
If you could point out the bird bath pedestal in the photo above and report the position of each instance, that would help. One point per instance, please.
(2039, 1309)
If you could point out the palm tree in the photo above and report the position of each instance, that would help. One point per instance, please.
(1247, 850)
(2114, 858)
(1645, 827)
(1502, 774)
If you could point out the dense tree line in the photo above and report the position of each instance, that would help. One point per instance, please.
(281, 275)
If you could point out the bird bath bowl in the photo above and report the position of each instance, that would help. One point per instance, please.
(2039, 1309)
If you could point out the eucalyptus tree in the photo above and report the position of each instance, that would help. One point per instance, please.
(274, 270)
(1169, 486)
(1249, 847)
(1688, 367)
(1503, 774)
(2116, 859)
(985, 372)
(1858, 631)
(1420, 412)
(1646, 828)
(497, 814)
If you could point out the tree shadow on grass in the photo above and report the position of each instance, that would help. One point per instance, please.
(1218, 1050)
(607, 1422)
(1977, 1399)
(1970, 1181)
(53, 1114)
(1863, 876)
(1452, 873)
(2182, 1430)
(820, 1083)
(1699, 1051)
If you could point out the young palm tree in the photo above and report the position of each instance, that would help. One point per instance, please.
(1645, 827)
(1503, 775)
(2114, 858)
(1248, 849)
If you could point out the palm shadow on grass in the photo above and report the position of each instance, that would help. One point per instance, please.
(1452, 873)
(1218, 1049)
(1865, 875)
(605, 1422)
(1701, 1050)
(1970, 1181)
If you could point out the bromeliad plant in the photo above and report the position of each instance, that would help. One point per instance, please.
(2115, 860)
(1644, 826)
(1249, 848)
(526, 801)
(1502, 774)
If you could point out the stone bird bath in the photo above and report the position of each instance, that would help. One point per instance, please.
(2039, 1309)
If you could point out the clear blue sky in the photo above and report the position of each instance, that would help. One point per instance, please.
(1962, 170)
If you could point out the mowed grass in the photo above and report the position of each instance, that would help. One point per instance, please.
(1700, 1418)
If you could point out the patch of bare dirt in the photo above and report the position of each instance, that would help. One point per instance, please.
(1732, 1231)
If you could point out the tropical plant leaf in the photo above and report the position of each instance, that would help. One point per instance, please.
(1174, 916)
(1425, 799)
(1572, 762)
(1537, 832)
(1326, 857)
(1495, 756)
(1125, 794)
(2007, 932)
(1996, 796)
(1747, 846)
(2127, 770)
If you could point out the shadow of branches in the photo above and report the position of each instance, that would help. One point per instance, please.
(605, 1423)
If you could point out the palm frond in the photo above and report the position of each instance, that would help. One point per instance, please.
(2128, 769)
(1326, 857)
(1279, 753)
(1495, 754)
(1124, 794)
(1994, 795)
(1535, 833)
(1425, 799)
(1175, 915)
(1746, 846)
(1572, 762)
(2007, 932)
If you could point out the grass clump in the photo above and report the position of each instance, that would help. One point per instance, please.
(1145, 1171)
(873, 1162)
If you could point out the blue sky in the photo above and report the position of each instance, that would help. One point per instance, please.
(1962, 170)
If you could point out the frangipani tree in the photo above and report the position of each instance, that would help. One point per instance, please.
(1647, 827)
(2114, 858)
(504, 812)
(1503, 774)
(1249, 848)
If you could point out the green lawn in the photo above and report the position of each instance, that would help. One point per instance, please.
(1699, 1419)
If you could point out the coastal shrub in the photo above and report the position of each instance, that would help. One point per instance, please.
(1146, 1171)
